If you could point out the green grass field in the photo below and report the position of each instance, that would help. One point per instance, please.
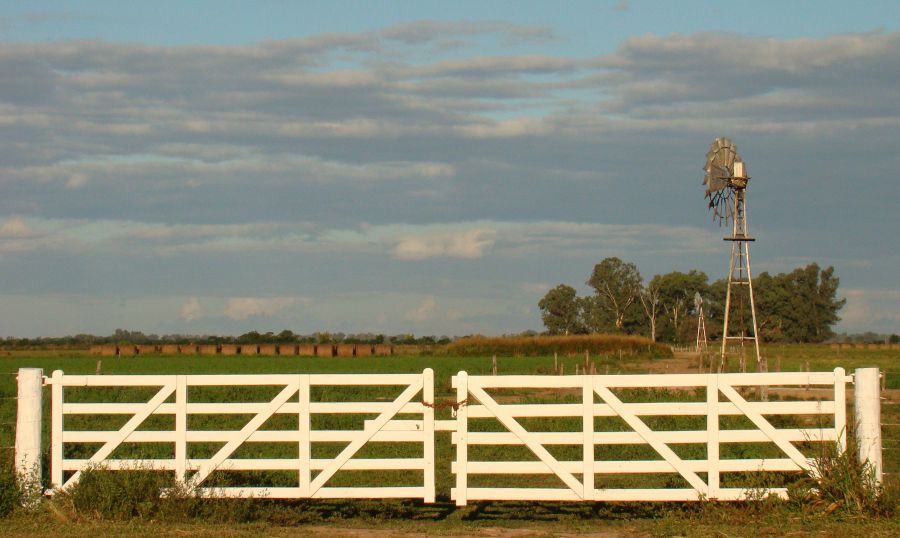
(279, 518)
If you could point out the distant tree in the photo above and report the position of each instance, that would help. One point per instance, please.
(560, 309)
(592, 317)
(251, 337)
(650, 301)
(676, 293)
(617, 285)
(286, 336)
(800, 306)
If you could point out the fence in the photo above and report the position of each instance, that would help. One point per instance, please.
(684, 435)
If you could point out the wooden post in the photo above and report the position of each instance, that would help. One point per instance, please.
(181, 455)
(867, 403)
(462, 436)
(428, 433)
(28, 431)
(712, 428)
(555, 363)
(304, 452)
(56, 429)
(494, 364)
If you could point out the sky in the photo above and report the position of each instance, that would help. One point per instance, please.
(217, 167)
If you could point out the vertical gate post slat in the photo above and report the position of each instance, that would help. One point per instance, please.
(428, 432)
(462, 424)
(587, 401)
(303, 425)
(840, 407)
(56, 427)
(181, 402)
(712, 441)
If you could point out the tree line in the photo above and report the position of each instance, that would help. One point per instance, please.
(799, 306)
(124, 336)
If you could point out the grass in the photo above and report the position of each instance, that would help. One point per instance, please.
(240, 518)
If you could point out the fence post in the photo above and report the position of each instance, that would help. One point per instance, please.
(28, 429)
(868, 417)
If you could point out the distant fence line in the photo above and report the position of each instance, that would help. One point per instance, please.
(860, 345)
(270, 350)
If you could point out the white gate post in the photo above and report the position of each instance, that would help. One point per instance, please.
(28, 429)
(868, 417)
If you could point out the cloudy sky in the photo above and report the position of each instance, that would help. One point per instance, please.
(427, 167)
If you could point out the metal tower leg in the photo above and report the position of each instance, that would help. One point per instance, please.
(739, 265)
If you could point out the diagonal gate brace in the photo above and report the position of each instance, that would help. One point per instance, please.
(365, 435)
(649, 436)
(525, 436)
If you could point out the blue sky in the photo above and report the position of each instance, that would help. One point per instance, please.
(220, 167)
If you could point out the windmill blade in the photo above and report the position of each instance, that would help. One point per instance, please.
(719, 175)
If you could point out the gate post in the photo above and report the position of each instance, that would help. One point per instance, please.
(867, 403)
(28, 430)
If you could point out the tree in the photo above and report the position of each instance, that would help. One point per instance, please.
(560, 310)
(618, 286)
(676, 291)
(814, 305)
(650, 301)
(800, 306)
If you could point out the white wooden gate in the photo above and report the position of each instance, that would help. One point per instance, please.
(174, 399)
(566, 464)
(566, 438)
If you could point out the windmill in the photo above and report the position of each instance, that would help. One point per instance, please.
(726, 190)
(701, 323)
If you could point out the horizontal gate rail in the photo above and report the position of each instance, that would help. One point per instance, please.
(313, 474)
(488, 398)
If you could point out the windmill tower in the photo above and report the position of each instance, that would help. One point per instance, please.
(726, 189)
(701, 323)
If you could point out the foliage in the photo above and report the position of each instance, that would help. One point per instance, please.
(10, 495)
(800, 306)
(617, 285)
(559, 310)
(547, 345)
(128, 494)
(677, 290)
(841, 481)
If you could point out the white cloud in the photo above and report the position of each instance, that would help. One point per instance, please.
(424, 312)
(469, 244)
(243, 307)
(15, 227)
(76, 181)
(870, 310)
(191, 310)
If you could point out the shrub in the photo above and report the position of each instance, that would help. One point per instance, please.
(134, 493)
(10, 495)
(840, 481)
(547, 345)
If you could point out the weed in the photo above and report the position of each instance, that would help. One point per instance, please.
(840, 481)
(127, 494)
(10, 494)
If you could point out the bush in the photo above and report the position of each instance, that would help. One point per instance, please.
(841, 482)
(10, 495)
(128, 494)
(547, 345)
